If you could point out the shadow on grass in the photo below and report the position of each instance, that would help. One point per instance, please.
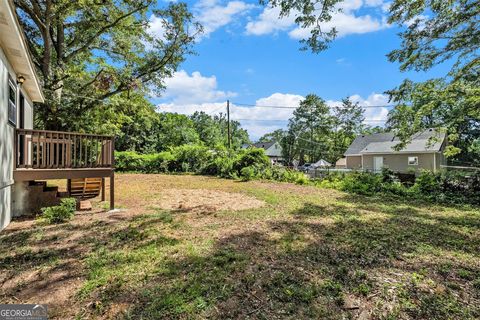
(307, 268)
(386, 255)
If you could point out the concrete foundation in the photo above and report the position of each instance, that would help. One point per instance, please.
(28, 198)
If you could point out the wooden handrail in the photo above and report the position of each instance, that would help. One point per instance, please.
(45, 149)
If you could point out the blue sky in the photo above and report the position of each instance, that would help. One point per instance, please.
(249, 55)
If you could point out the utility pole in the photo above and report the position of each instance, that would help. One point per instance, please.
(228, 125)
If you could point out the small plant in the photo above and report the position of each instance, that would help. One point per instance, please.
(61, 213)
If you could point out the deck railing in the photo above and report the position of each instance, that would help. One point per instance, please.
(40, 149)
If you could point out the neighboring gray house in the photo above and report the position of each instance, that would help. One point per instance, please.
(272, 149)
(375, 151)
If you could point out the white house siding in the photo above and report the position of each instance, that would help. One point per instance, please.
(6, 145)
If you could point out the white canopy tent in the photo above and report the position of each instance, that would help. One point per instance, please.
(321, 163)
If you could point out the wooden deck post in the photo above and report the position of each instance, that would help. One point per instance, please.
(112, 191)
(103, 189)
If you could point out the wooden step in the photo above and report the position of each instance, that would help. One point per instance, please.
(85, 188)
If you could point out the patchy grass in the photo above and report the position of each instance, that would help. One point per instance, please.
(307, 253)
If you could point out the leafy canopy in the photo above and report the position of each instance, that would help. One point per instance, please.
(88, 51)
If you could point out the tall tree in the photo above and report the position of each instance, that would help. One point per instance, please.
(276, 135)
(451, 107)
(347, 124)
(309, 131)
(88, 51)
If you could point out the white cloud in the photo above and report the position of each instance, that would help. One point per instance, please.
(156, 27)
(269, 22)
(183, 88)
(373, 116)
(213, 15)
(259, 120)
(346, 21)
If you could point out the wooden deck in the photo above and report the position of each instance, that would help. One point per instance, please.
(45, 155)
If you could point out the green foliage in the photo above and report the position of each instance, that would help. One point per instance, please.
(190, 158)
(61, 213)
(251, 157)
(89, 51)
(428, 183)
(362, 183)
(315, 133)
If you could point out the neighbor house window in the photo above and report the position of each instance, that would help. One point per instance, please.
(12, 102)
(413, 161)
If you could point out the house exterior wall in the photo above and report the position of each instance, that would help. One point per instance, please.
(7, 132)
(399, 162)
(354, 162)
(6, 145)
(275, 150)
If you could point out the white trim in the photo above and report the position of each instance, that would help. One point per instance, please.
(412, 164)
(435, 162)
(362, 162)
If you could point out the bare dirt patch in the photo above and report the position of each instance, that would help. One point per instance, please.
(206, 201)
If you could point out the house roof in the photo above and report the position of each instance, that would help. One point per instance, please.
(264, 145)
(429, 140)
(14, 46)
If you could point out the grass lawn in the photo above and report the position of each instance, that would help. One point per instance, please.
(306, 253)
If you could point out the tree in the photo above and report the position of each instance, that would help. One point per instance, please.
(212, 130)
(348, 123)
(131, 118)
(451, 107)
(209, 129)
(276, 135)
(309, 131)
(438, 31)
(89, 51)
(172, 129)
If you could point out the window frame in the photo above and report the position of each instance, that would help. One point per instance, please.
(412, 164)
(12, 106)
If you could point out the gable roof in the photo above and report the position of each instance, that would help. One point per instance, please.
(264, 145)
(14, 46)
(385, 142)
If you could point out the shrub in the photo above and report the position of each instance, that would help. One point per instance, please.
(130, 161)
(251, 157)
(61, 213)
(248, 173)
(428, 183)
(190, 158)
(158, 163)
(362, 183)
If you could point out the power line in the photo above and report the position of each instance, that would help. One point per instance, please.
(290, 107)
(282, 120)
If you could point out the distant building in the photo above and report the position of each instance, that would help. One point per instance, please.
(341, 163)
(375, 151)
(272, 149)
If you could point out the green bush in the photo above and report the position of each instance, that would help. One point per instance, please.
(61, 213)
(190, 158)
(428, 183)
(158, 163)
(362, 183)
(130, 161)
(251, 157)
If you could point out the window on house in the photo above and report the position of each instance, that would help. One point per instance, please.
(413, 161)
(12, 102)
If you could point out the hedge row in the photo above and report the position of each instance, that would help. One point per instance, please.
(444, 187)
(244, 164)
